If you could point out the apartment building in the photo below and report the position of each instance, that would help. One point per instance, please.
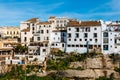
(41, 41)
(9, 38)
(111, 38)
(58, 39)
(84, 36)
(27, 29)
(9, 32)
(69, 35)
(58, 23)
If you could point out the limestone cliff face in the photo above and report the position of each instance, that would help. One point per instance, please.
(94, 67)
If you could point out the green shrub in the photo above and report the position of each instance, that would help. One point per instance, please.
(117, 69)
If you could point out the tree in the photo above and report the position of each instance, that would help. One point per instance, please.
(20, 49)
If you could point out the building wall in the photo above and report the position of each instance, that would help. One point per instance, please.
(58, 23)
(81, 41)
(11, 32)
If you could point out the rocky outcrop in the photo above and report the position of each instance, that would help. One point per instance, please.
(88, 73)
(94, 68)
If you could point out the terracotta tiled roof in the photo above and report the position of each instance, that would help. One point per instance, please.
(52, 17)
(83, 23)
(44, 23)
(113, 25)
(26, 30)
(33, 20)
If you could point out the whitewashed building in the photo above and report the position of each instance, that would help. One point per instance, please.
(111, 38)
(58, 23)
(58, 39)
(84, 36)
(27, 30)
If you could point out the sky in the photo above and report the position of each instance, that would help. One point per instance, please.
(12, 12)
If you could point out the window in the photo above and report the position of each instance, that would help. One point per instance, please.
(62, 45)
(105, 40)
(14, 32)
(77, 45)
(47, 31)
(25, 33)
(39, 27)
(38, 38)
(55, 33)
(80, 39)
(69, 45)
(96, 40)
(44, 25)
(77, 29)
(81, 45)
(90, 39)
(17, 32)
(74, 39)
(85, 39)
(32, 24)
(69, 35)
(85, 35)
(52, 44)
(69, 39)
(95, 34)
(85, 45)
(42, 31)
(69, 29)
(87, 29)
(56, 44)
(73, 45)
(105, 34)
(46, 45)
(105, 47)
(28, 25)
(76, 35)
(33, 28)
(64, 24)
(44, 50)
(99, 46)
(115, 41)
(95, 28)
(25, 39)
(47, 38)
(95, 45)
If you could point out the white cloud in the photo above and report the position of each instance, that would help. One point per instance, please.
(14, 13)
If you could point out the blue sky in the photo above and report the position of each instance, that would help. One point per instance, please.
(12, 12)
